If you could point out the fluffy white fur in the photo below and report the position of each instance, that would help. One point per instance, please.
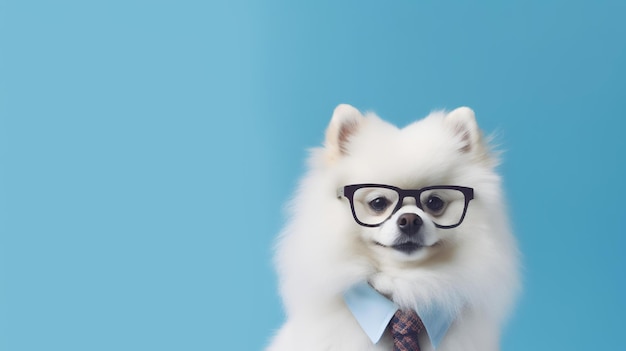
(322, 251)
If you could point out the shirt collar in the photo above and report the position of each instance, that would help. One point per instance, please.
(373, 311)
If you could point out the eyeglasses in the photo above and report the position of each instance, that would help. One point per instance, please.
(373, 204)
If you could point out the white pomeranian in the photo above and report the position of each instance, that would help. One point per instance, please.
(390, 219)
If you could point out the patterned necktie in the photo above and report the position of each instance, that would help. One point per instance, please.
(405, 326)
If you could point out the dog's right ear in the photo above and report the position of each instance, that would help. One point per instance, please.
(344, 123)
(463, 123)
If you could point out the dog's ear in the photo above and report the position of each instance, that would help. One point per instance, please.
(344, 123)
(463, 124)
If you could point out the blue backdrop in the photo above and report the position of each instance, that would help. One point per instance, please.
(147, 149)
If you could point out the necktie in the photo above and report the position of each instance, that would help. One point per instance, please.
(405, 326)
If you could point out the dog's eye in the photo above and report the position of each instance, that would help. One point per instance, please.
(435, 204)
(379, 204)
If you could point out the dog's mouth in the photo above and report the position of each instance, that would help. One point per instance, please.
(406, 247)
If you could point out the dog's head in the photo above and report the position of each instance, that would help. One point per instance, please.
(407, 192)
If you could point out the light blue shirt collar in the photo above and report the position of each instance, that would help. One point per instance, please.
(373, 311)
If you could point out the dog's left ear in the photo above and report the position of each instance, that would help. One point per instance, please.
(343, 125)
(462, 122)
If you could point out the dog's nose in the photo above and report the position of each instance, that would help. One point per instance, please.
(409, 223)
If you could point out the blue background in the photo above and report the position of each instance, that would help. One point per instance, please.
(147, 149)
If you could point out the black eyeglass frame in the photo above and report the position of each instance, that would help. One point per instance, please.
(349, 190)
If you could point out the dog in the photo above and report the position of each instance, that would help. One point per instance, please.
(397, 219)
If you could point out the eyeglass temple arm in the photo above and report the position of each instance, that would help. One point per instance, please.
(340, 193)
